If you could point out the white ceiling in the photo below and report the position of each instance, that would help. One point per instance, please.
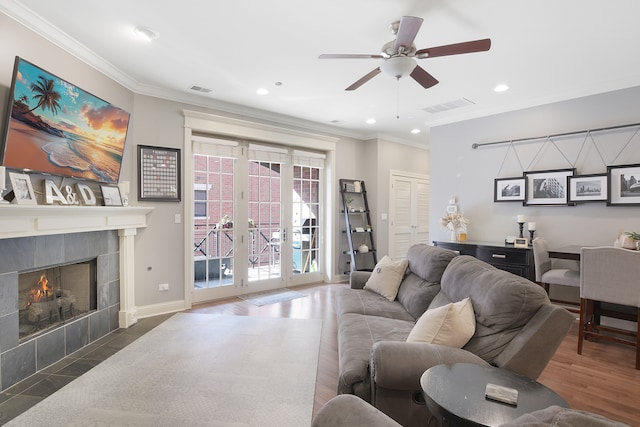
(545, 50)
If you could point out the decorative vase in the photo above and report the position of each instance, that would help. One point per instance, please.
(454, 235)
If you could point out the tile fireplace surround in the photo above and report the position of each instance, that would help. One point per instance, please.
(33, 237)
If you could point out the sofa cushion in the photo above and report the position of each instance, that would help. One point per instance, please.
(356, 335)
(451, 325)
(429, 262)
(362, 302)
(503, 302)
(415, 294)
(386, 277)
(422, 279)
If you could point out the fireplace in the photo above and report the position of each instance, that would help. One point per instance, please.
(52, 296)
(38, 237)
(58, 294)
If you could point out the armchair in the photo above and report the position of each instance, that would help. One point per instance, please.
(609, 275)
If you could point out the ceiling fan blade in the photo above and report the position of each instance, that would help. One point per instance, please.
(455, 49)
(425, 79)
(348, 56)
(407, 31)
(364, 79)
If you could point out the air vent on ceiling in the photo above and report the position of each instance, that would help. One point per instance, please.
(201, 89)
(446, 106)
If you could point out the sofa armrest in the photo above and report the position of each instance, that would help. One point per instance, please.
(529, 352)
(347, 410)
(399, 365)
(357, 279)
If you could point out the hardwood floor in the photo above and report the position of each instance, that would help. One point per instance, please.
(601, 380)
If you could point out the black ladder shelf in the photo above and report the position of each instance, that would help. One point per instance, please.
(357, 218)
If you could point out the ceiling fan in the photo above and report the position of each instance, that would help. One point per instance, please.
(400, 54)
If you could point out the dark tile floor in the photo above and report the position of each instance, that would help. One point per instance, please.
(27, 393)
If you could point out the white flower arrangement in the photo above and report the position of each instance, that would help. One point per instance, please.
(453, 221)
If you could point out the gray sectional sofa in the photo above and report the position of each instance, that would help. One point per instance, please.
(517, 328)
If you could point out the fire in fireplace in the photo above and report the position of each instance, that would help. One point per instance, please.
(52, 296)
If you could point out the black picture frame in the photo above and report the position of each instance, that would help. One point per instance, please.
(588, 188)
(547, 188)
(111, 195)
(159, 174)
(624, 185)
(509, 189)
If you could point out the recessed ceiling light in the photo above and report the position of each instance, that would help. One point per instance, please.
(262, 91)
(146, 33)
(415, 131)
(501, 88)
(371, 121)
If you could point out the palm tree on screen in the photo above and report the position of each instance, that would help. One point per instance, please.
(46, 94)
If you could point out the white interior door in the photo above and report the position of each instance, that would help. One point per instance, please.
(408, 212)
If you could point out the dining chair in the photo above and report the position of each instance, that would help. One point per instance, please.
(609, 275)
(547, 275)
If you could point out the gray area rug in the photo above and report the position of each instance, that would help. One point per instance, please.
(191, 371)
(272, 297)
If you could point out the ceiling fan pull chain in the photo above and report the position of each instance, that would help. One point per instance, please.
(398, 98)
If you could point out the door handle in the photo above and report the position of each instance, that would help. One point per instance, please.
(501, 256)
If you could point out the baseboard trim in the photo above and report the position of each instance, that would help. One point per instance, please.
(164, 308)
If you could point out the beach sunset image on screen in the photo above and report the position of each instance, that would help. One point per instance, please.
(57, 128)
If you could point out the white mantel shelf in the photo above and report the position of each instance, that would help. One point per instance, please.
(40, 220)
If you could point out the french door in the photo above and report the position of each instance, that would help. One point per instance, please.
(256, 218)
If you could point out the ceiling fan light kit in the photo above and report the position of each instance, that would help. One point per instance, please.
(399, 56)
(398, 66)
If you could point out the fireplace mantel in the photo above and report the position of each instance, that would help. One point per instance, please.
(41, 220)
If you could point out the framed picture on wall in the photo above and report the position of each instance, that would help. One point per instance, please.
(547, 188)
(624, 185)
(159, 173)
(587, 188)
(508, 189)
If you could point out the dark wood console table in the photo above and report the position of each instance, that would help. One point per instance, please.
(504, 256)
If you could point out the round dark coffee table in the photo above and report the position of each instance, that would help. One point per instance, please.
(455, 394)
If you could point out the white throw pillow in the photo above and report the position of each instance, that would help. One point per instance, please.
(452, 325)
(386, 277)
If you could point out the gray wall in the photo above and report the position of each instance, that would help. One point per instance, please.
(458, 170)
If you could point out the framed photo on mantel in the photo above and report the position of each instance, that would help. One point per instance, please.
(22, 189)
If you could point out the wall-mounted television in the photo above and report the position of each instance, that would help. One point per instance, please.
(54, 127)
